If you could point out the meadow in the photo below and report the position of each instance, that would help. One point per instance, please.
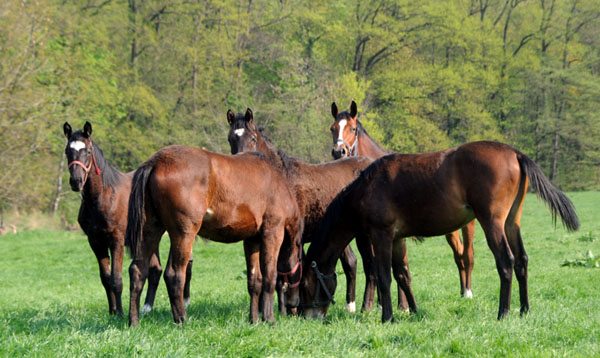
(52, 303)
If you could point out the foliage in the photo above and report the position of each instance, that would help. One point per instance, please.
(426, 75)
(587, 260)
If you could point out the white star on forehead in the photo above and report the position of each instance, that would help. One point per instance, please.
(77, 145)
(239, 132)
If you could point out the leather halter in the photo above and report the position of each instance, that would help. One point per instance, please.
(89, 167)
(352, 149)
(286, 275)
(321, 283)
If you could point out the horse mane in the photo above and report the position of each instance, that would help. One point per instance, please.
(286, 163)
(110, 175)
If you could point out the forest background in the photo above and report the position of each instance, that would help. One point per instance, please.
(427, 75)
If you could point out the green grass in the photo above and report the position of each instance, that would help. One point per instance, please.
(52, 303)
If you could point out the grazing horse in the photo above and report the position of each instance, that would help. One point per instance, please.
(187, 192)
(347, 129)
(314, 185)
(103, 213)
(402, 195)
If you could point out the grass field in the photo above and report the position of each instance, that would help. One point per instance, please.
(52, 303)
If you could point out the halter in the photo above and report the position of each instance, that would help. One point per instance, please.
(286, 275)
(321, 278)
(352, 149)
(89, 167)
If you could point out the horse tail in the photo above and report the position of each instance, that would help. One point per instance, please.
(136, 211)
(556, 200)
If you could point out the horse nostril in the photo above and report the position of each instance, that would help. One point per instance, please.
(343, 151)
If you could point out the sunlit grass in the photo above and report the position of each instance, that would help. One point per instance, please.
(52, 303)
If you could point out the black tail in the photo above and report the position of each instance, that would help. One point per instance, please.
(136, 211)
(556, 200)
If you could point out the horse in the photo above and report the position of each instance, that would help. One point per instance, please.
(103, 214)
(347, 129)
(189, 191)
(430, 194)
(314, 186)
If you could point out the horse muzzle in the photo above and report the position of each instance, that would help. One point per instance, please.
(76, 184)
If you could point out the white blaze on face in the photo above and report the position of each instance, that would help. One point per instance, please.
(239, 132)
(77, 145)
(342, 124)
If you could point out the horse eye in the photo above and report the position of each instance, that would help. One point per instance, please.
(354, 129)
(253, 139)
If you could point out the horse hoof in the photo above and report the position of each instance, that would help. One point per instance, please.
(468, 294)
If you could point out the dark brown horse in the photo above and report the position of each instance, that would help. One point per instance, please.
(188, 192)
(402, 195)
(103, 213)
(350, 138)
(314, 185)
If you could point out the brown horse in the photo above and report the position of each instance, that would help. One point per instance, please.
(347, 129)
(103, 213)
(402, 195)
(314, 185)
(188, 192)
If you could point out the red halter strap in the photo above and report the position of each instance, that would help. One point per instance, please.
(286, 275)
(89, 167)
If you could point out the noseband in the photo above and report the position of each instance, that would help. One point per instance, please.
(89, 167)
(352, 150)
(321, 278)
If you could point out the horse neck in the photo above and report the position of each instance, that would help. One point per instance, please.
(268, 150)
(94, 185)
(331, 242)
(368, 147)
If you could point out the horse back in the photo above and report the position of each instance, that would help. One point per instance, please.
(226, 198)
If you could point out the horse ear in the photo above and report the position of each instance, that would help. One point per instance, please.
(67, 130)
(87, 129)
(249, 116)
(353, 110)
(334, 110)
(230, 117)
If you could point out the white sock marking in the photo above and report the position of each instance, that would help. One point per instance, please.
(77, 145)
(239, 132)
(351, 307)
(186, 302)
(468, 294)
(147, 308)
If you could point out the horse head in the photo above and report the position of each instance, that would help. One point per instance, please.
(344, 131)
(80, 154)
(243, 134)
(316, 291)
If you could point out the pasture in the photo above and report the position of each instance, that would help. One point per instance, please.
(52, 303)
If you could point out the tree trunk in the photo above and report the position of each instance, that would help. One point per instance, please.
(59, 182)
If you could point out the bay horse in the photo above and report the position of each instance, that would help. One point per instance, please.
(187, 192)
(402, 195)
(314, 186)
(103, 213)
(347, 129)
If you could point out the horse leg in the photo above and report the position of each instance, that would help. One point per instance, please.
(116, 277)
(515, 241)
(497, 242)
(348, 260)
(101, 252)
(456, 244)
(154, 273)
(175, 272)
(138, 272)
(254, 276)
(269, 252)
(468, 232)
(382, 246)
(366, 252)
(188, 279)
(406, 298)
